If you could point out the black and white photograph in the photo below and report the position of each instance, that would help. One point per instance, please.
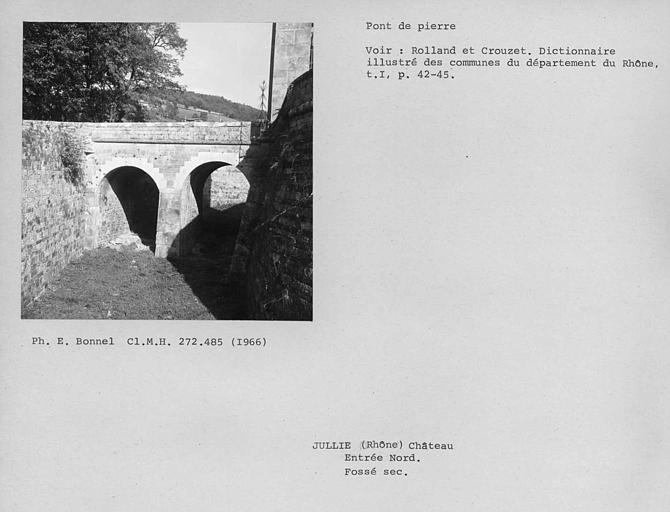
(167, 171)
(290, 256)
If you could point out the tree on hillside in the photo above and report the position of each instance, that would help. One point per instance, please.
(97, 71)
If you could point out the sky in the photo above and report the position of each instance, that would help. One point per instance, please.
(226, 59)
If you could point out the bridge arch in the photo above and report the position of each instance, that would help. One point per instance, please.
(147, 165)
(211, 196)
(127, 203)
(203, 157)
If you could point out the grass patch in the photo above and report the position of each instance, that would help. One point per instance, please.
(111, 284)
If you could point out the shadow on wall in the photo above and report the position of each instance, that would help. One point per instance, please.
(212, 186)
(213, 199)
(205, 267)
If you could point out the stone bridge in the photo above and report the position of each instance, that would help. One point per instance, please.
(152, 178)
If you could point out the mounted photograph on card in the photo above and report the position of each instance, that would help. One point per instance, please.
(167, 171)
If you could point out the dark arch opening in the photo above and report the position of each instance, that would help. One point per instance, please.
(129, 203)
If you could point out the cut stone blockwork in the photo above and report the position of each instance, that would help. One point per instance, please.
(54, 208)
(292, 58)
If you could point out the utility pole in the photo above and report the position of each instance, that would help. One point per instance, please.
(262, 99)
(272, 69)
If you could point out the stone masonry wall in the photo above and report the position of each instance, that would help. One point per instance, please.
(225, 187)
(273, 254)
(53, 208)
(113, 220)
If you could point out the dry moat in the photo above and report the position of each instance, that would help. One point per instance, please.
(126, 281)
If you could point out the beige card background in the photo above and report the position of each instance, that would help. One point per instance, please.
(492, 269)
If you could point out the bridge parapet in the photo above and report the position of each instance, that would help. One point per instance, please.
(210, 133)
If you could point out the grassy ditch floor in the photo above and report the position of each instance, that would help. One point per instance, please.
(127, 284)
